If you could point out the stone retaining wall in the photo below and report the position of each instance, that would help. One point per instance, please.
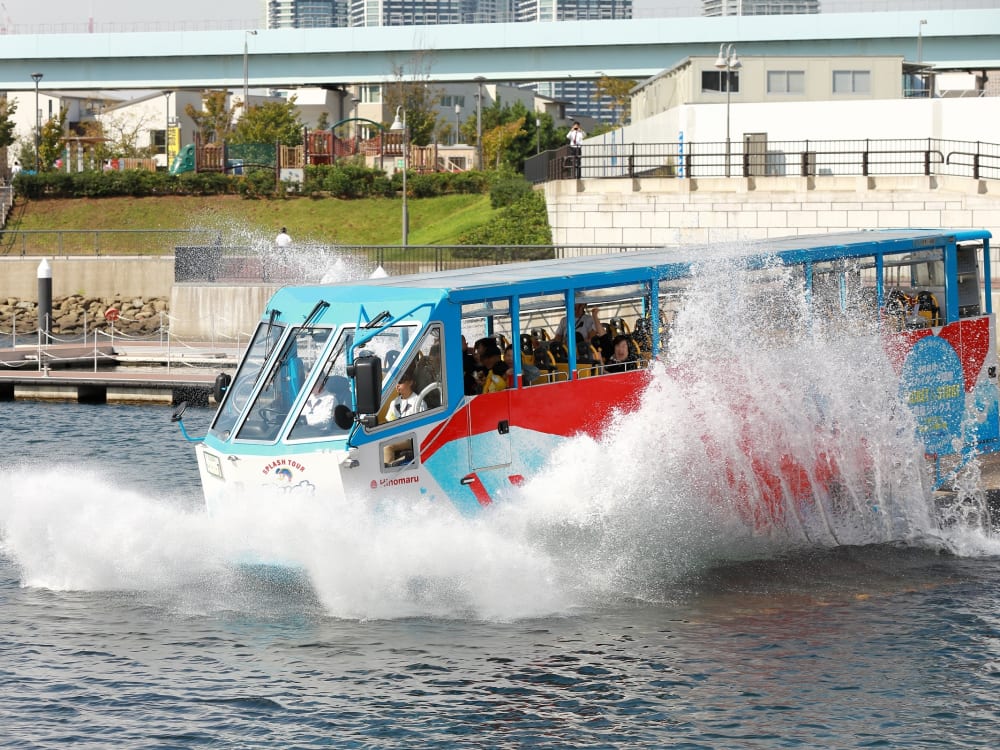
(137, 316)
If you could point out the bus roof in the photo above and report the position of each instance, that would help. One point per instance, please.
(591, 271)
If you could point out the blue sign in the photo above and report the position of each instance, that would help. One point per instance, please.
(933, 387)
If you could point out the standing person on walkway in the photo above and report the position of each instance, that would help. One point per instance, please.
(575, 137)
(282, 240)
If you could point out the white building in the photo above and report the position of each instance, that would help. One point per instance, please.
(814, 98)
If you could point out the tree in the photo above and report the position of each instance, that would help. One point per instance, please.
(270, 122)
(50, 142)
(7, 110)
(498, 140)
(618, 90)
(529, 138)
(215, 121)
(417, 98)
(122, 132)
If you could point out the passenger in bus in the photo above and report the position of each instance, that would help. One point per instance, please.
(470, 363)
(407, 401)
(623, 356)
(586, 325)
(492, 371)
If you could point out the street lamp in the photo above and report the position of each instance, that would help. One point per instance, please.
(729, 62)
(166, 132)
(357, 130)
(479, 122)
(920, 40)
(538, 135)
(246, 67)
(36, 77)
(458, 111)
(397, 126)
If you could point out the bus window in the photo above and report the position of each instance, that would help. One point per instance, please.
(969, 289)
(282, 384)
(487, 323)
(914, 290)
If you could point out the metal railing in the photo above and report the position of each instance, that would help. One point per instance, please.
(868, 157)
(322, 264)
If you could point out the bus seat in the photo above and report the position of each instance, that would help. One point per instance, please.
(618, 327)
(540, 333)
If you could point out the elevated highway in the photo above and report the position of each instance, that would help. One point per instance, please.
(333, 57)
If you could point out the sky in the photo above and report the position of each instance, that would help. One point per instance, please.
(56, 13)
(60, 16)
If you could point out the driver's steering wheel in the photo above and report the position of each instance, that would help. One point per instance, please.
(425, 392)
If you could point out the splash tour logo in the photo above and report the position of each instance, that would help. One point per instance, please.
(283, 468)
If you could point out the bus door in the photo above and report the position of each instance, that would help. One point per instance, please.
(489, 431)
(487, 325)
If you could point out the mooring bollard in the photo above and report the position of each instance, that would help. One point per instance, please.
(45, 298)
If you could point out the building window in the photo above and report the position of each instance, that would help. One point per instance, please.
(852, 82)
(786, 82)
(715, 80)
(449, 101)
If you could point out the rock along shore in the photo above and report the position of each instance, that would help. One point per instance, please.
(136, 315)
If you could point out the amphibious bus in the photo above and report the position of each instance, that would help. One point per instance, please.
(352, 350)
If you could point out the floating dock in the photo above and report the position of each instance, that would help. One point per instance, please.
(128, 373)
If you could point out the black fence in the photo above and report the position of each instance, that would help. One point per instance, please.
(320, 264)
(760, 158)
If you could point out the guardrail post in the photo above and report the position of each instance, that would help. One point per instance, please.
(864, 160)
(927, 163)
(631, 165)
(975, 163)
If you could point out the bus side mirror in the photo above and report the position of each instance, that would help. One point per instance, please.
(368, 384)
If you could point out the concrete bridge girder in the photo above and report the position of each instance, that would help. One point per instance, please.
(634, 48)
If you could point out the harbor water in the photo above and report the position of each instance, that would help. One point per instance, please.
(124, 625)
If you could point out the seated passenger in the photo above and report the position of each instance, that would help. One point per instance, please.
(407, 402)
(491, 374)
(623, 357)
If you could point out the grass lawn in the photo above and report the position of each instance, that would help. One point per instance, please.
(433, 221)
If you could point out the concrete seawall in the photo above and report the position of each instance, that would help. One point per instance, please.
(677, 211)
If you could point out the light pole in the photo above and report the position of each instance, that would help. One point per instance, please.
(458, 111)
(728, 61)
(538, 135)
(166, 132)
(246, 67)
(357, 130)
(36, 77)
(920, 40)
(479, 122)
(397, 126)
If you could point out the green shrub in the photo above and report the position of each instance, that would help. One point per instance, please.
(508, 189)
(427, 185)
(470, 183)
(525, 222)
